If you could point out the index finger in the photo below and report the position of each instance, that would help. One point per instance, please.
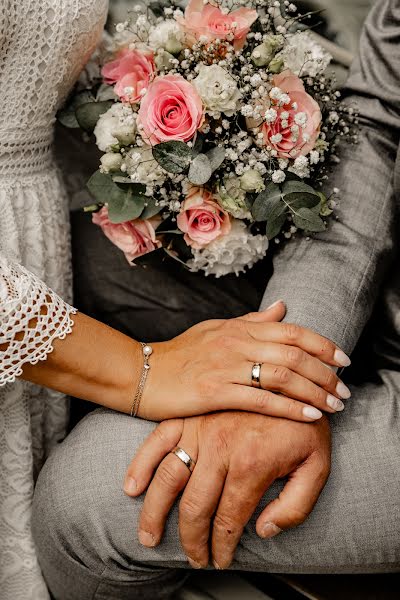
(295, 335)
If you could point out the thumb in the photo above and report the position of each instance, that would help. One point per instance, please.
(297, 498)
(273, 313)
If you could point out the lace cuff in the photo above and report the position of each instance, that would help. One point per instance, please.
(32, 316)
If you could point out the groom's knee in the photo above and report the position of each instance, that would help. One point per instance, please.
(81, 514)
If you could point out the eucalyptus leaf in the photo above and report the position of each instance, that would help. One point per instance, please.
(324, 209)
(101, 186)
(216, 156)
(151, 209)
(125, 205)
(308, 220)
(198, 144)
(67, 116)
(88, 114)
(174, 157)
(274, 226)
(301, 200)
(268, 205)
(296, 186)
(105, 92)
(200, 170)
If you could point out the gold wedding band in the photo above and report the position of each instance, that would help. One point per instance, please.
(184, 457)
(256, 375)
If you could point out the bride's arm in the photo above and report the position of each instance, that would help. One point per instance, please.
(207, 368)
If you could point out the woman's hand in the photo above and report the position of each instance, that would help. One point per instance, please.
(208, 368)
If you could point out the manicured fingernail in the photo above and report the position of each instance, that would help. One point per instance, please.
(343, 391)
(130, 485)
(193, 563)
(275, 304)
(216, 565)
(341, 358)
(147, 539)
(269, 530)
(334, 403)
(312, 413)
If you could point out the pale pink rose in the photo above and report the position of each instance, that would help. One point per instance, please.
(171, 110)
(202, 220)
(301, 141)
(209, 21)
(134, 238)
(132, 72)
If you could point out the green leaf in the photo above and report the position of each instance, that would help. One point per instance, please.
(268, 205)
(300, 195)
(296, 186)
(67, 116)
(198, 144)
(106, 92)
(150, 209)
(174, 157)
(274, 226)
(88, 114)
(200, 170)
(125, 202)
(216, 156)
(324, 209)
(121, 179)
(126, 206)
(308, 220)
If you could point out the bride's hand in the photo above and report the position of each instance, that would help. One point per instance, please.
(208, 368)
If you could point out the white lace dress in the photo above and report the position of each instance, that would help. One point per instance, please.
(43, 47)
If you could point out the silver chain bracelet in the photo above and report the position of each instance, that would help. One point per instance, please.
(147, 352)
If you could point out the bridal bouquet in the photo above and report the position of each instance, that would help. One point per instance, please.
(215, 126)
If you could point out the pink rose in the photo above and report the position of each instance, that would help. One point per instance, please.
(296, 135)
(132, 71)
(170, 110)
(201, 219)
(210, 22)
(134, 238)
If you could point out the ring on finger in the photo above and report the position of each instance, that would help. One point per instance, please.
(184, 457)
(256, 375)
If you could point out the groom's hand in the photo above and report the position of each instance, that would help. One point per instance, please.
(239, 456)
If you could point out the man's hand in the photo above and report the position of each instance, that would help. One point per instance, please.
(239, 456)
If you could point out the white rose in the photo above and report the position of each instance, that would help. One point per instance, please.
(231, 253)
(167, 35)
(111, 162)
(251, 181)
(142, 168)
(218, 90)
(115, 126)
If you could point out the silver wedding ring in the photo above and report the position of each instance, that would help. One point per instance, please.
(256, 375)
(184, 457)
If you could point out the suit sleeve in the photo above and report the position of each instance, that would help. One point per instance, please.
(331, 282)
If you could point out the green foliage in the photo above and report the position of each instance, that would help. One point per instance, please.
(174, 157)
(88, 114)
(200, 170)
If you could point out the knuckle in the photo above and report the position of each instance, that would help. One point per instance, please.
(252, 462)
(319, 395)
(282, 375)
(292, 409)
(169, 477)
(292, 331)
(294, 356)
(330, 379)
(227, 341)
(190, 508)
(262, 400)
(326, 346)
(225, 525)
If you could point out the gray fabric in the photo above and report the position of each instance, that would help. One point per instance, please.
(84, 526)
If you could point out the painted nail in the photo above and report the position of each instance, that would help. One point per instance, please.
(343, 391)
(130, 485)
(275, 304)
(269, 530)
(193, 563)
(216, 565)
(341, 358)
(334, 403)
(312, 413)
(147, 539)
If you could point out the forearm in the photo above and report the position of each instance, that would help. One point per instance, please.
(94, 363)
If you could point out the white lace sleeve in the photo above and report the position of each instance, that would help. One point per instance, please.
(32, 316)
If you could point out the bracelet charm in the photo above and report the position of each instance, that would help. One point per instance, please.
(147, 352)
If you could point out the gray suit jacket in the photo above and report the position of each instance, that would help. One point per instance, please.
(333, 283)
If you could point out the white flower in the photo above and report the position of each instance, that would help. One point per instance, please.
(278, 176)
(270, 115)
(218, 90)
(300, 167)
(232, 198)
(167, 35)
(142, 168)
(301, 119)
(251, 181)
(276, 138)
(231, 253)
(115, 126)
(111, 162)
(314, 157)
(283, 163)
(302, 54)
